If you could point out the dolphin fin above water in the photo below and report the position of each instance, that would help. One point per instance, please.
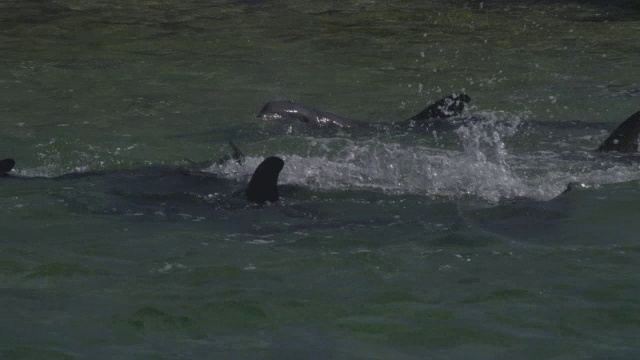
(235, 155)
(624, 138)
(444, 108)
(6, 165)
(434, 114)
(263, 185)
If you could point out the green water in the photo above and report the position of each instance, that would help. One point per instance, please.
(397, 246)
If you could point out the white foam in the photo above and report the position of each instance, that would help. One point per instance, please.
(482, 167)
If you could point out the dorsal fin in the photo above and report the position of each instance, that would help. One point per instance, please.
(6, 165)
(264, 182)
(237, 155)
(625, 137)
(449, 106)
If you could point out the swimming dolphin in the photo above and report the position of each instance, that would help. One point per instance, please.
(289, 110)
(164, 180)
(624, 138)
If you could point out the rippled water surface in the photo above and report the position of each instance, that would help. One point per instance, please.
(458, 243)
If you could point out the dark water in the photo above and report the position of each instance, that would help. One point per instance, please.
(390, 245)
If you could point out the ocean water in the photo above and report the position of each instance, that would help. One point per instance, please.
(457, 244)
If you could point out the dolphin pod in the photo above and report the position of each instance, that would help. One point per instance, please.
(263, 186)
(287, 110)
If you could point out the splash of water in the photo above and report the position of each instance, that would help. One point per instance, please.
(483, 168)
(479, 170)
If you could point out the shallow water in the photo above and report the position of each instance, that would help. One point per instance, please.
(402, 245)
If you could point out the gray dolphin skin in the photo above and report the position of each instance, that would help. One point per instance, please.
(442, 109)
(624, 138)
(290, 110)
(163, 181)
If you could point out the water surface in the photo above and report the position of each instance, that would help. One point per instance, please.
(400, 245)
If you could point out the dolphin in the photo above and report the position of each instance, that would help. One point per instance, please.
(288, 110)
(624, 138)
(163, 181)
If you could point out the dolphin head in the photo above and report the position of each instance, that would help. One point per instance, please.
(286, 111)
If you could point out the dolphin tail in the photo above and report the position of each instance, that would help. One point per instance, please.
(6, 165)
(444, 108)
(263, 185)
(625, 137)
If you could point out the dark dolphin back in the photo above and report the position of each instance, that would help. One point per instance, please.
(6, 165)
(287, 110)
(444, 108)
(625, 137)
(263, 186)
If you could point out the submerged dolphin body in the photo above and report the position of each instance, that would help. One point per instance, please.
(291, 111)
(164, 181)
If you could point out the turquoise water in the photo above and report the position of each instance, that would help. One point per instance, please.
(390, 245)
